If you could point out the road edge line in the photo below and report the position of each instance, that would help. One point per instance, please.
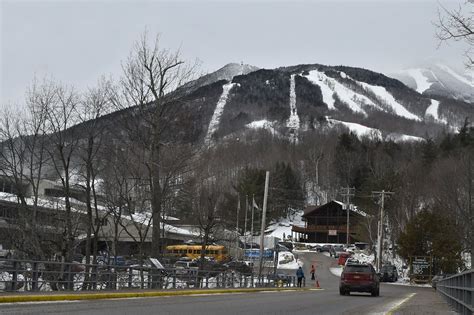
(399, 304)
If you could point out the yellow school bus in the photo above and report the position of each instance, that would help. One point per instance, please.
(218, 252)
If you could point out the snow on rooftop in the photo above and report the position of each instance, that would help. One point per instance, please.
(384, 96)
(422, 82)
(330, 86)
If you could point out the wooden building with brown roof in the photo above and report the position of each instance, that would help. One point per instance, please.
(327, 224)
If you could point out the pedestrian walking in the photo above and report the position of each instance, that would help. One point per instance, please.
(313, 270)
(300, 276)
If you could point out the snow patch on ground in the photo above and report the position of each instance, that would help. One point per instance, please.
(283, 227)
(218, 112)
(337, 271)
(422, 83)
(330, 86)
(384, 96)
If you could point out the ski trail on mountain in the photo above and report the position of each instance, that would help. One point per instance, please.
(385, 97)
(433, 111)
(330, 86)
(216, 117)
(294, 121)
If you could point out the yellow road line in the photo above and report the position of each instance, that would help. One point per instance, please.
(118, 295)
(399, 304)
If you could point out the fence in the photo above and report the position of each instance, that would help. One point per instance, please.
(28, 275)
(458, 290)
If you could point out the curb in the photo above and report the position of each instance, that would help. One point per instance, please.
(119, 295)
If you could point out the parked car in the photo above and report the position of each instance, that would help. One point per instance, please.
(326, 248)
(341, 261)
(239, 266)
(359, 278)
(315, 248)
(388, 273)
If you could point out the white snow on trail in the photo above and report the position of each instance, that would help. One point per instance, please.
(422, 83)
(218, 112)
(454, 74)
(358, 129)
(384, 96)
(373, 133)
(263, 124)
(294, 121)
(329, 86)
(432, 110)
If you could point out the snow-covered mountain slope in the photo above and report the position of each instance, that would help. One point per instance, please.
(290, 102)
(440, 80)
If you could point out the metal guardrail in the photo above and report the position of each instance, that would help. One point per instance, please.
(458, 290)
(34, 276)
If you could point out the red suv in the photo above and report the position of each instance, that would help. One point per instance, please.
(359, 278)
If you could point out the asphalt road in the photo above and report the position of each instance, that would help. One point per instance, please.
(326, 301)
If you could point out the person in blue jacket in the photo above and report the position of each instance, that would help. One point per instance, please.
(300, 276)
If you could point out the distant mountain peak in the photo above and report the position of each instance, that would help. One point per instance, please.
(439, 79)
(227, 72)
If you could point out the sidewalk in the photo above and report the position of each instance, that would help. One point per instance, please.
(426, 301)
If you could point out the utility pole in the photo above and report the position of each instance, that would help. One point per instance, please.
(347, 193)
(262, 229)
(380, 226)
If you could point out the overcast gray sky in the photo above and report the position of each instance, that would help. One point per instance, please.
(77, 41)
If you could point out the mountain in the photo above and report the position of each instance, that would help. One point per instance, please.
(439, 80)
(288, 102)
(292, 100)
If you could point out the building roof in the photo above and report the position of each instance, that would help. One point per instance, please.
(311, 210)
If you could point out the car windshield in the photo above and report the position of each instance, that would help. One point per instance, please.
(357, 268)
(387, 268)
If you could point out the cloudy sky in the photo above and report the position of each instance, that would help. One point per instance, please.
(78, 41)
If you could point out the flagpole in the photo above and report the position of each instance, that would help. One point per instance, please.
(237, 227)
(245, 224)
(253, 203)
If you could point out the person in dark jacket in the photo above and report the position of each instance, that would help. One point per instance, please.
(300, 276)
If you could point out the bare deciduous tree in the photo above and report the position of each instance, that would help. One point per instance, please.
(458, 25)
(150, 74)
